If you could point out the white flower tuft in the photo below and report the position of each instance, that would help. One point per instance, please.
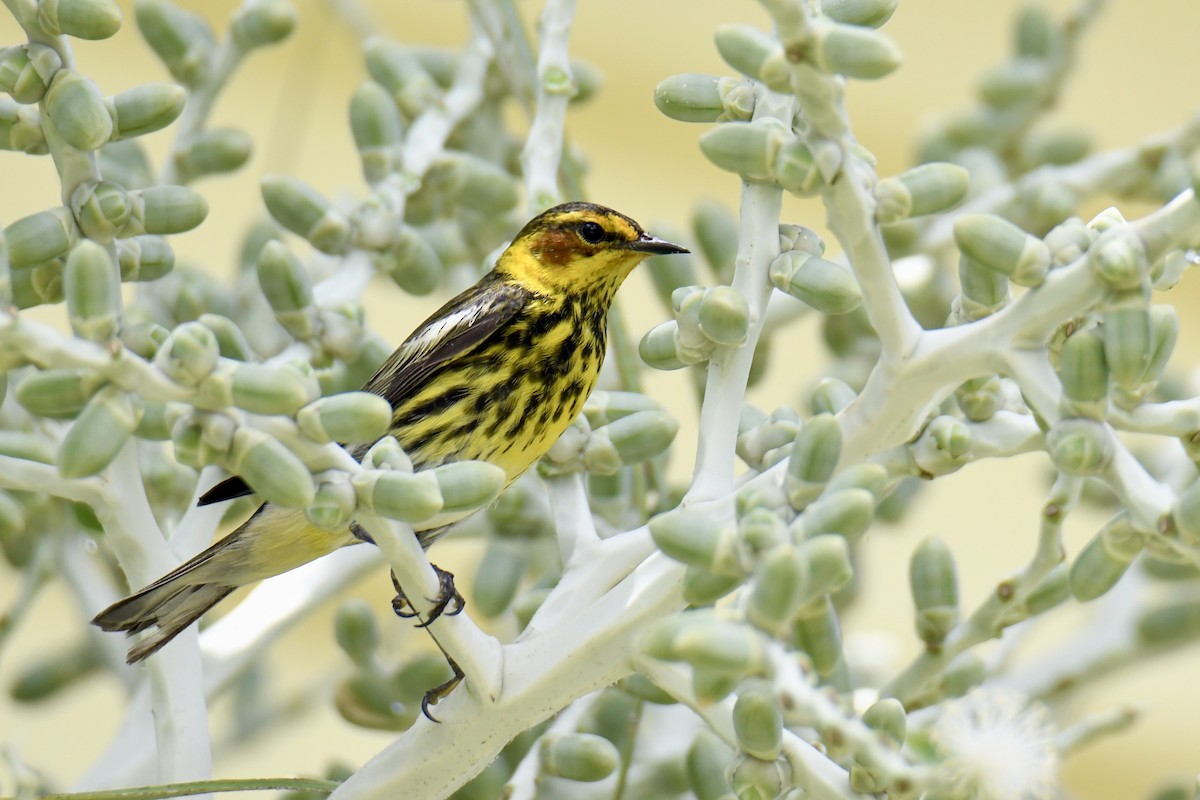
(997, 745)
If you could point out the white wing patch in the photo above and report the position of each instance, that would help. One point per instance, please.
(436, 331)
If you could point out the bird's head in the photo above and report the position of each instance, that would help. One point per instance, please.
(579, 247)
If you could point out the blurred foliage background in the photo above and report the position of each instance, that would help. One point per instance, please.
(1136, 76)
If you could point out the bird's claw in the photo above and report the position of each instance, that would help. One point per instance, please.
(448, 601)
(435, 695)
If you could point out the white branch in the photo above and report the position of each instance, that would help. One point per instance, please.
(523, 784)
(476, 653)
(543, 147)
(176, 682)
(573, 523)
(850, 206)
(230, 645)
(729, 367)
(544, 671)
(226, 59)
(427, 137)
(1085, 178)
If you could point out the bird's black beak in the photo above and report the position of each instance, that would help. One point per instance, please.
(655, 246)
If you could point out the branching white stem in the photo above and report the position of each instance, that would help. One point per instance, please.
(850, 206)
(1085, 178)
(1095, 726)
(729, 367)
(1003, 606)
(427, 137)
(543, 147)
(590, 573)
(543, 672)
(48, 347)
(226, 60)
(230, 645)
(32, 476)
(92, 589)
(476, 653)
(1107, 639)
(176, 682)
(523, 785)
(573, 523)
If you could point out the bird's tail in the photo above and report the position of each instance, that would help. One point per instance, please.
(170, 604)
(272, 541)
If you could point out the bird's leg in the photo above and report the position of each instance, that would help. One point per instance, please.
(448, 601)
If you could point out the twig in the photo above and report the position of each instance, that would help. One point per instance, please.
(176, 685)
(729, 367)
(427, 136)
(1002, 607)
(226, 60)
(194, 788)
(543, 147)
(523, 784)
(1095, 726)
(476, 653)
(1085, 178)
(543, 671)
(229, 646)
(573, 523)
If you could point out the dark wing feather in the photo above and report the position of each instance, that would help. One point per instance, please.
(457, 328)
(228, 489)
(454, 330)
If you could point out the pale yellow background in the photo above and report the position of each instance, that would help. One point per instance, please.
(1138, 75)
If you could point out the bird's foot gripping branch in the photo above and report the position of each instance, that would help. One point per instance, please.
(646, 635)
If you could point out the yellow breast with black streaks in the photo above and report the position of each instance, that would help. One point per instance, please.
(508, 402)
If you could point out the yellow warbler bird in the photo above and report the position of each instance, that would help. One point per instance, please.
(496, 374)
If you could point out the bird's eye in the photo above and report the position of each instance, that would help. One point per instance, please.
(591, 232)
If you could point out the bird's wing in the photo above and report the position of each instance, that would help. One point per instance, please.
(454, 330)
